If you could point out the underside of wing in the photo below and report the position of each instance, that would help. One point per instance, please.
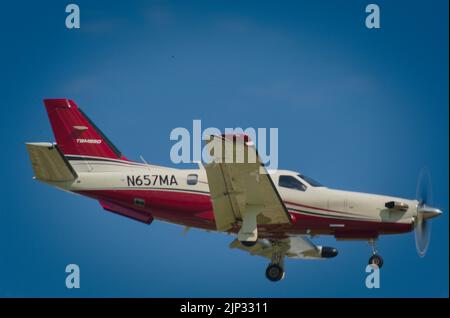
(240, 186)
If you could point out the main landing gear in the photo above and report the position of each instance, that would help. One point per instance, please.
(248, 243)
(275, 270)
(375, 259)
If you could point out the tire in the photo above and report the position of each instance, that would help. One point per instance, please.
(274, 272)
(248, 243)
(376, 260)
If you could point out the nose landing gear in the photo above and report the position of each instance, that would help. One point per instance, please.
(375, 259)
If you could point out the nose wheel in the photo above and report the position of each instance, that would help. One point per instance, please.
(375, 259)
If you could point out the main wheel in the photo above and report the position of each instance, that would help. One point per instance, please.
(248, 243)
(376, 259)
(274, 272)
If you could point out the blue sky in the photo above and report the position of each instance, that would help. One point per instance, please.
(356, 109)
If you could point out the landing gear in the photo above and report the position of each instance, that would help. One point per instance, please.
(248, 243)
(274, 272)
(375, 259)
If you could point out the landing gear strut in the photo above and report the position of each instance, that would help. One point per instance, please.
(275, 270)
(375, 259)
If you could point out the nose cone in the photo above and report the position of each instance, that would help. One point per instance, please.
(428, 212)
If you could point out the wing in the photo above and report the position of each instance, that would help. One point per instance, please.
(241, 189)
(48, 163)
(293, 247)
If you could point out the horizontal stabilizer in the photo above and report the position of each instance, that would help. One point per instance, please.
(49, 164)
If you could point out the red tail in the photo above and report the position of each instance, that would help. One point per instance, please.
(75, 133)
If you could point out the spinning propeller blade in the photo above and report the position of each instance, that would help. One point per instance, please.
(424, 212)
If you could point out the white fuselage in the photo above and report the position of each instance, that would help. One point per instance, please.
(339, 211)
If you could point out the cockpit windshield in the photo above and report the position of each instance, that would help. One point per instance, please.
(310, 181)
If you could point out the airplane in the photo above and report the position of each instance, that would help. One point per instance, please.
(273, 214)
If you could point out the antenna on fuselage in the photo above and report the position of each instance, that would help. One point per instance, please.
(143, 160)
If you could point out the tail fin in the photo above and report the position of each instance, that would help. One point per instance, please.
(75, 133)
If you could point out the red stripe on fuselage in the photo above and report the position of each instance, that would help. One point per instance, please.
(195, 210)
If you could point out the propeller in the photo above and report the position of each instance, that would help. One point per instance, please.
(425, 212)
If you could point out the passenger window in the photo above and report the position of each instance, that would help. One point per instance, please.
(291, 183)
(192, 179)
